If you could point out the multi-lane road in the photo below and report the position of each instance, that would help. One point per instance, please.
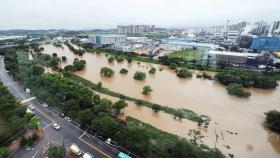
(68, 134)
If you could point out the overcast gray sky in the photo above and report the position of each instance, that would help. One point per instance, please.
(89, 14)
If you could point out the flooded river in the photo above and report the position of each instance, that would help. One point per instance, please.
(237, 122)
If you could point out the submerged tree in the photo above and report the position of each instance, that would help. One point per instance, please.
(119, 105)
(237, 89)
(273, 120)
(184, 73)
(147, 90)
(139, 103)
(152, 70)
(156, 108)
(107, 72)
(139, 75)
(111, 59)
(99, 85)
(124, 71)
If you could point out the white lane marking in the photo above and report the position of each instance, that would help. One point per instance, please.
(35, 154)
(47, 126)
(82, 135)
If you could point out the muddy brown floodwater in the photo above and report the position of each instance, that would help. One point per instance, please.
(238, 123)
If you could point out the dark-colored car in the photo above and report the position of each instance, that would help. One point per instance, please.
(61, 115)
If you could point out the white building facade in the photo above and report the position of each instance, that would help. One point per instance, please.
(107, 39)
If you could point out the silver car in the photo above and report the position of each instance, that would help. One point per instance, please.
(45, 105)
(31, 107)
(56, 126)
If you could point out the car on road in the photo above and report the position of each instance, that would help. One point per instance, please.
(61, 115)
(87, 155)
(31, 107)
(110, 142)
(56, 126)
(123, 155)
(45, 105)
(67, 118)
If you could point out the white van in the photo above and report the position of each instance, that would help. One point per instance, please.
(75, 149)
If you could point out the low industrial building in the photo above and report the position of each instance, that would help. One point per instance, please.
(138, 40)
(170, 47)
(121, 47)
(107, 39)
(236, 58)
(266, 44)
(147, 50)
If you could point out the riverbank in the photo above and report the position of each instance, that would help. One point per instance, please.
(202, 120)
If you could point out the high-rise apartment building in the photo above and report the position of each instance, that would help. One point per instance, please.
(238, 27)
(134, 29)
(275, 30)
(260, 28)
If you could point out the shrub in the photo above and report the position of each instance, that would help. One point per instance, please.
(156, 108)
(153, 70)
(29, 142)
(184, 73)
(273, 120)
(79, 64)
(3, 151)
(54, 54)
(111, 59)
(173, 66)
(237, 89)
(107, 72)
(99, 85)
(120, 60)
(23, 141)
(56, 152)
(204, 75)
(147, 90)
(139, 75)
(64, 58)
(124, 71)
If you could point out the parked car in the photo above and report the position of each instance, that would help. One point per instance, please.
(56, 126)
(31, 107)
(45, 105)
(87, 155)
(61, 115)
(75, 150)
(67, 118)
(110, 142)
